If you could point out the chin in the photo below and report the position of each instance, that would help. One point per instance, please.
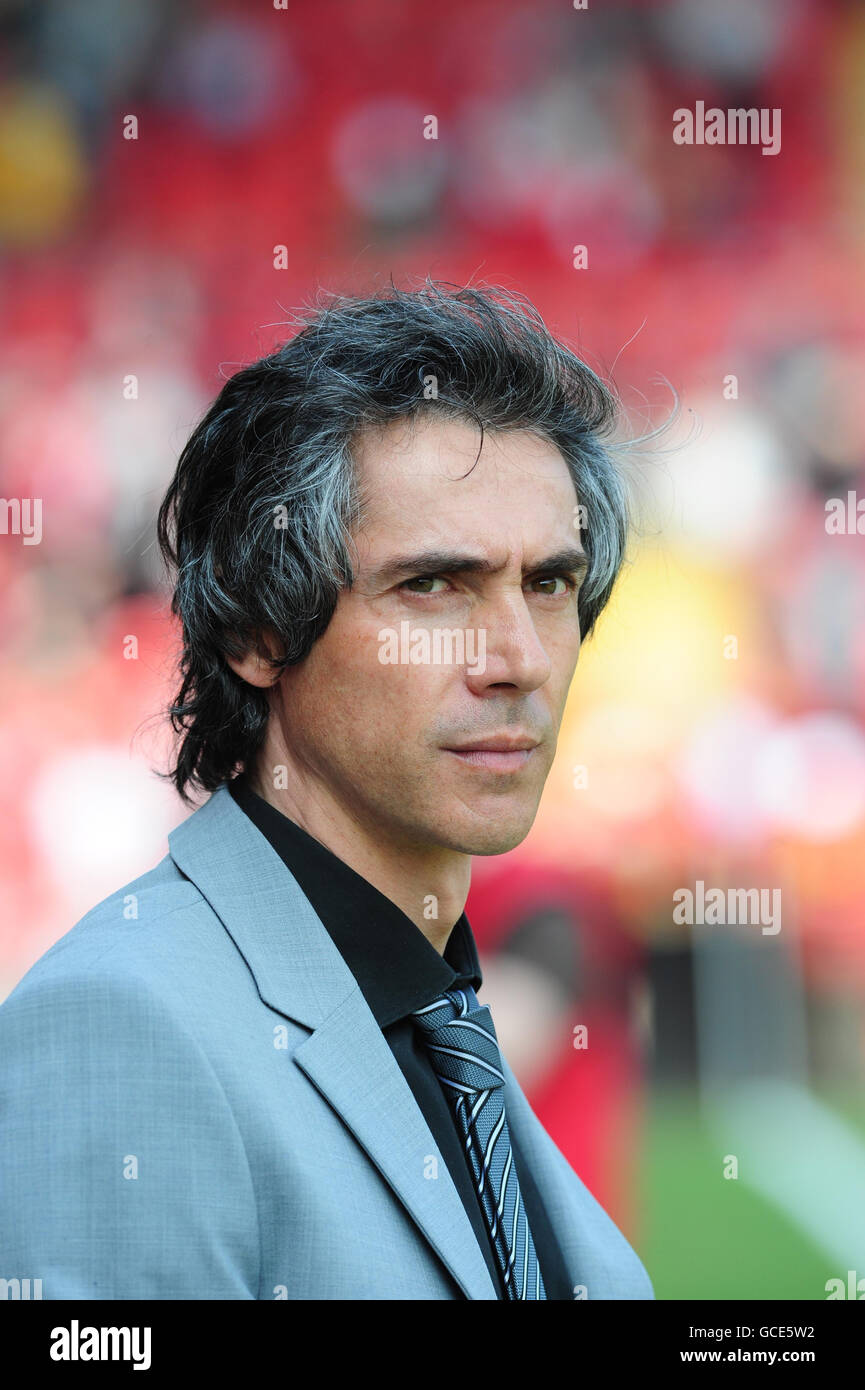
(501, 847)
(493, 836)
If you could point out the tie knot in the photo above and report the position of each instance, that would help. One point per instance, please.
(460, 1036)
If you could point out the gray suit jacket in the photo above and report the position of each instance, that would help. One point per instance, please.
(196, 1102)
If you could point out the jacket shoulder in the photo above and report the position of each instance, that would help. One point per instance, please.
(145, 922)
(105, 1066)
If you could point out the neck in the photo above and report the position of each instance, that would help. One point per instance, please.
(429, 883)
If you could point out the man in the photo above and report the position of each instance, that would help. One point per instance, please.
(262, 1069)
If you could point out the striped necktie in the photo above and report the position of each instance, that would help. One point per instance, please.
(459, 1033)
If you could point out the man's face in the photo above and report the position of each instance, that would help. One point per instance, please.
(377, 733)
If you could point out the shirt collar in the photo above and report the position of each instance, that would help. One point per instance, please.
(396, 967)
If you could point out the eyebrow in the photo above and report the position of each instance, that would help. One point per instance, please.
(431, 562)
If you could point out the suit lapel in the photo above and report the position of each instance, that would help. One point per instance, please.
(299, 972)
(553, 1175)
(350, 1062)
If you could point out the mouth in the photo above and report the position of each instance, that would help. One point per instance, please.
(496, 754)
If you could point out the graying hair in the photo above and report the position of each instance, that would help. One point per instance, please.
(258, 517)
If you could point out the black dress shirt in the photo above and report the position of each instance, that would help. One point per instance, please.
(398, 970)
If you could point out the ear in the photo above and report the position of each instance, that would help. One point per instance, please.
(253, 667)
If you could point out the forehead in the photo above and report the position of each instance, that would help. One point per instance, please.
(423, 479)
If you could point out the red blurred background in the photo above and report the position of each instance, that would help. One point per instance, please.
(175, 179)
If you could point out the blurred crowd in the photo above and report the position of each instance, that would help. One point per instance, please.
(176, 178)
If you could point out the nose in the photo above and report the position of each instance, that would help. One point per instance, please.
(514, 653)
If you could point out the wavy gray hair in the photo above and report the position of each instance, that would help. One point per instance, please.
(257, 519)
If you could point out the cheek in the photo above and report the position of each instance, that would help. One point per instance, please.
(401, 695)
(564, 651)
(348, 693)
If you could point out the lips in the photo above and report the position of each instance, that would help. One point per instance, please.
(497, 754)
(495, 744)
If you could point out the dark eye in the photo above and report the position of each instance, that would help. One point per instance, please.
(423, 579)
(565, 579)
